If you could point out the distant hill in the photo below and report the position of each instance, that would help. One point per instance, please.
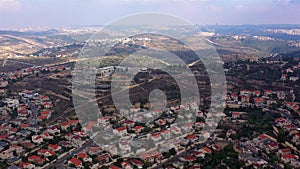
(23, 43)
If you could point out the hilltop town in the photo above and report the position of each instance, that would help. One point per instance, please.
(259, 127)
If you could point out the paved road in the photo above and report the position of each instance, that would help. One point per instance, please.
(34, 110)
(59, 162)
(176, 157)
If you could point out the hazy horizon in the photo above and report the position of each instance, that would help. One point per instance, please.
(54, 13)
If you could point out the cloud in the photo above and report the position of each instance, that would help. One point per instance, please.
(10, 5)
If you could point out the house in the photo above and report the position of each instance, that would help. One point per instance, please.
(46, 153)
(189, 158)
(52, 69)
(161, 122)
(260, 163)
(28, 145)
(263, 137)
(155, 137)
(297, 137)
(47, 136)
(47, 105)
(54, 147)
(235, 114)
(256, 93)
(199, 114)
(258, 101)
(195, 166)
(198, 154)
(104, 121)
(289, 127)
(271, 102)
(102, 159)
(76, 140)
(192, 137)
(94, 150)
(284, 151)
(60, 68)
(292, 105)
(76, 162)
(166, 133)
(27, 165)
(114, 167)
(74, 122)
(37, 139)
(184, 142)
(42, 117)
(215, 147)
(68, 136)
(146, 157)
(288, 158)
(34, 128)
(129, 123)
(199, 124)
(293, 78)
(188, 126)
(281, 121)
(289, 70)
(273, 146)
(84, 157)
(245, 99)
(64, 144)
(150, 156)
(268, 92)
(205, 150)
(235, 97)
(53, 130)
(138, 129)
(120, 131)
(24, 125)
(22, 112)
(65, 125)
(245, 92)
(36, 159)
(87, 128)
(136, 162)
(176, 130)
(46, 113)
(126, 165)
(17, 148)
(228, 97)
(3, 136)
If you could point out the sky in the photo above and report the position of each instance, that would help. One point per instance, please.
(60, 13)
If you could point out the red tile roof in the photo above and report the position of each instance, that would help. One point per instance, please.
(190, 158)
(206, 150)
(82, 155)
(75, 161)
(121, 128)
(114, 167)
(289, 156)
(136, 162)
(53, 146)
